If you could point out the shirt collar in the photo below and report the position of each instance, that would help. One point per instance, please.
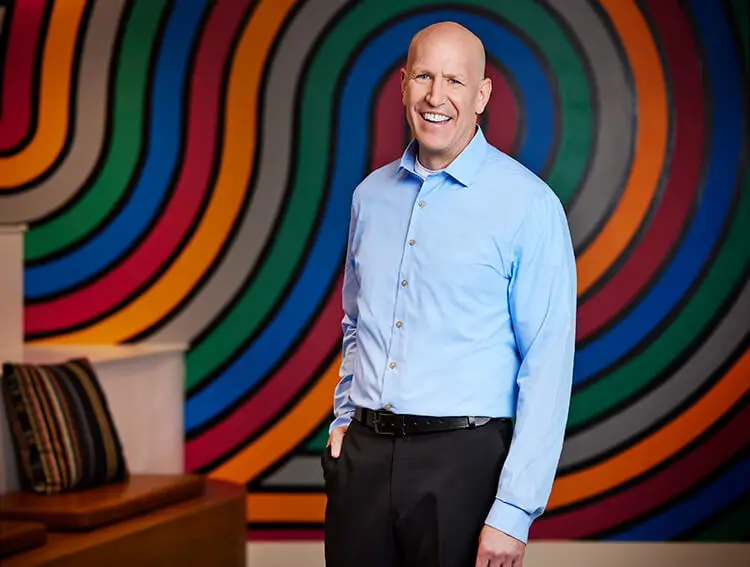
(463, 168)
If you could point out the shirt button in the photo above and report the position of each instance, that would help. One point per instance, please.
(421, 204)
(404, 283)
(387, 406)
(411, 242)
(399, 324)
(392, 365)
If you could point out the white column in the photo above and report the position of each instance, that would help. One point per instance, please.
(11, 332)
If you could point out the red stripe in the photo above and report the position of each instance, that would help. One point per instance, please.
(23, 38)
(254, 534)
(275, 393)
(684, 170)
(192, 185)
(390, 127)
(650, 494)
(502, 113)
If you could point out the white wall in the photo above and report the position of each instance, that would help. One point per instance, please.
(11, 330)
(144, 386)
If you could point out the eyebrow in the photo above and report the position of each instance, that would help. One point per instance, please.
(419, 71)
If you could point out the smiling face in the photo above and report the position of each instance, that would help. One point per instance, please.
(444, 89)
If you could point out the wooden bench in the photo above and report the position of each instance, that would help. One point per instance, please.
(148, 520)
(18, 536)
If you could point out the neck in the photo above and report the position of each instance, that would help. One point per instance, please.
(442, 160)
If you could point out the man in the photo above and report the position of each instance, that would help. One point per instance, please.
(459, 308)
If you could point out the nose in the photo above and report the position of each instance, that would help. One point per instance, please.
(435, 94)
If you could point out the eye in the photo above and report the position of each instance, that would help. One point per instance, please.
(454, 81)
(422, 77)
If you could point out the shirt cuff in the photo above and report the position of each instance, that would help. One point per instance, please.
(510, 520)
(341, 421)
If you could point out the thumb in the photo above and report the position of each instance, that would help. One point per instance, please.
(336, 439)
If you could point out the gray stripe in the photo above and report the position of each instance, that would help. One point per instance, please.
(273, 175)
(615, 134)
(639, 416)
(91, 120)
(298, 471)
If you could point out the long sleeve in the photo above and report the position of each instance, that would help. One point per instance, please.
(542, 296)
(343, 409)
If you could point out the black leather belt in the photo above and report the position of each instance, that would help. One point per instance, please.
(388, 423)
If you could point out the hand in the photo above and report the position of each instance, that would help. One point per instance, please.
(335, 440)
(498, 549)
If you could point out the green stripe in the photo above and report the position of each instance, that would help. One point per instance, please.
(130, 98)
(732, 525)
(741, 19)
(316, 117)
(318, 443)
(722, 277)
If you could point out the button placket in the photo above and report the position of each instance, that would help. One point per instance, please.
(396, 350)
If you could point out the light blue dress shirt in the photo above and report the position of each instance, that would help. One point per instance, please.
(459, 299)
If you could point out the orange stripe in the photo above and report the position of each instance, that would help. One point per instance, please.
(264, 507)
(231, 184)
(285, 435)
(650, 146)
(54, 103)
(307, 508)
(653, 450)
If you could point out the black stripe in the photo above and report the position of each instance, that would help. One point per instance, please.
(656, 511)
(696, 284)
(291, 283)
(654, 204)
(268, 424)
(111, 75)
(691, 400)
(678, 361)
(134, 182)
(611, 272)
(75, 73)
(693, 533)
(232, 236)
(195, 222)
(614, 38)
(93, 177)
(701, 439)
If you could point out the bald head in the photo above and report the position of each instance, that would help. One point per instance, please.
(444, 90)
(466, 44)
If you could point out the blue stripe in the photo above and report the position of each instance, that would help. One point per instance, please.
(349, 168)
(725, 139)
(688, 513)
(97, 254)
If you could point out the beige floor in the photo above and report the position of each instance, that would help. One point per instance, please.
(293, 554)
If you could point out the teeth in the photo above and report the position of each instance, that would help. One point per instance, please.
(432, 117)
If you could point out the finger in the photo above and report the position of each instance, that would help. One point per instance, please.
(481, 561)
(336, 440)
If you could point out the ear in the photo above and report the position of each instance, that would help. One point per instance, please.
(483, 96)
(404, 81)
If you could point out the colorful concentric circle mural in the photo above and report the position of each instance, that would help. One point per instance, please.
(186, 169)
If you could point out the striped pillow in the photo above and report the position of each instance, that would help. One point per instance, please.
(63, 432)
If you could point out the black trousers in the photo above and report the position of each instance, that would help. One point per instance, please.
(412, 501)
